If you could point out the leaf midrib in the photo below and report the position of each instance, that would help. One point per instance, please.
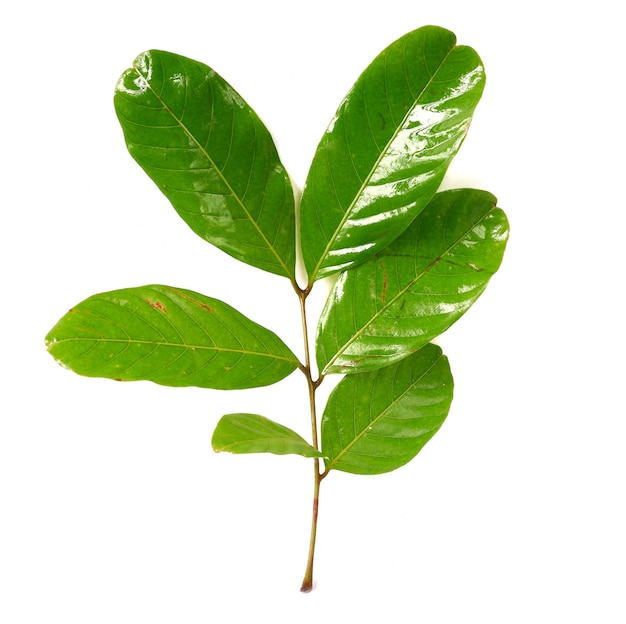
(220, 173)
(173, 344)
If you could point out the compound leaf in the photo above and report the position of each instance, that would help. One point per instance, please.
(387, 149)
(378, 421)
(251, 433)
(212, 157)
(398, 301)
(170, 336)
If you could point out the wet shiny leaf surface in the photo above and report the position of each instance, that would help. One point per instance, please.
(170, 336)
(212, 157)
(388, 148)
(396, 302)
(251, 433)
(378, 421)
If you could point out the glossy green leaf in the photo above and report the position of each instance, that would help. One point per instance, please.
(378, 421)
(212, 157)
(251, 433)
(398, 301)
(170, 336)
(387, 148)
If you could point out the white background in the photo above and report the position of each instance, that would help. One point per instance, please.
(113, 507)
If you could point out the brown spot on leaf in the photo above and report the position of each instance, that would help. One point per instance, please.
(157, 305)
(192, 299)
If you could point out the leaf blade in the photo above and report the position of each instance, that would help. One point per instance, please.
(398, 301)
(212, 157)
(169, 336)
(252, 433)
(376, 422)
(387, 148)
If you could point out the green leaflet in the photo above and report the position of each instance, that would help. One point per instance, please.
(387, 148)
(251, 433)
(212, 157)
(170, 336)
(396, 302)
(378, 421)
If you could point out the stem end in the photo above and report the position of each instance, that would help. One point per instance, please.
(307, 586)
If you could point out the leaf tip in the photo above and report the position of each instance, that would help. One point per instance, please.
(136, 80)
